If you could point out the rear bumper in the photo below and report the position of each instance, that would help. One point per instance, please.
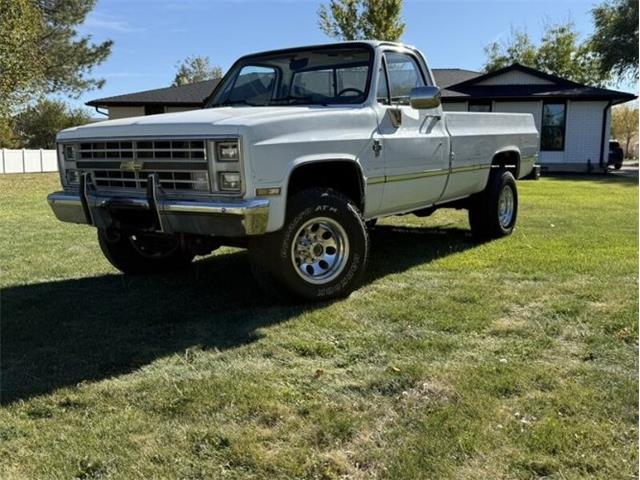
(219, 217)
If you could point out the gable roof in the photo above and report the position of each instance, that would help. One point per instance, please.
(519, 68)
(554, 87)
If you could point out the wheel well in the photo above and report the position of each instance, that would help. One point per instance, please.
(509, 160)
(341, 175)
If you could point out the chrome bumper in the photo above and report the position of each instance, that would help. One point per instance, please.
(159, 213)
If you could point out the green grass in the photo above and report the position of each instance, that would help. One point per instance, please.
(511, 359)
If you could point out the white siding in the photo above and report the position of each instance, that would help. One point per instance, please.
(454, 106)
(124, 112)
(584, 132)
(534, 108)
(515, 77)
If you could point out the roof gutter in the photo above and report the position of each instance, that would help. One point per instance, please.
(602, 135)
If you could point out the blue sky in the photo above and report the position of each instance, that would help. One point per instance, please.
(152, 36)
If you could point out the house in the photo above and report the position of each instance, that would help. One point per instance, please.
(574, 120)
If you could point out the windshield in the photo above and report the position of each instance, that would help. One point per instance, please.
(323, 76)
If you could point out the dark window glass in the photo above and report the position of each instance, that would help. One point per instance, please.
(404, 75)
(553, 126)
(254, 85)
(313, 82)
(153, 109)
(328, 75)
(383, 87)
(479, 106)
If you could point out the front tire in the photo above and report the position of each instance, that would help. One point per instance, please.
(321, 253)
(493, 212)
(142, 254)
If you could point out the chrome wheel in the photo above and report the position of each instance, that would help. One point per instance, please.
(320, 250)
(506, 204)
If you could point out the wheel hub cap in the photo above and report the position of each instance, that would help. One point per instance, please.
(320, 250)
(506, 206)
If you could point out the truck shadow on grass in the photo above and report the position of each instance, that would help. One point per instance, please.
(61, 333)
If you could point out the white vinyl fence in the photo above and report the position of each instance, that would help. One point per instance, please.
(26, 161)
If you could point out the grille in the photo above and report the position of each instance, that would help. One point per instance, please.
(179, 164)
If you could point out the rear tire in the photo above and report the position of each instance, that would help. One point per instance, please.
(140, 254)
(494, 211)
(321, 253)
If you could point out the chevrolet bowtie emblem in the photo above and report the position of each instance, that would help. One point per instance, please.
(132, 165)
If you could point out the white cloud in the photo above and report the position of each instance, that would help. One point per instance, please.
(108, 22)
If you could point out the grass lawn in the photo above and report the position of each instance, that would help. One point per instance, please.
(512, 359)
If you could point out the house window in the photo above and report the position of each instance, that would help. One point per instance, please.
(153, 109)
(553, 126)
(480, 106)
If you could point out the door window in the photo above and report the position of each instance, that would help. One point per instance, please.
(404, 75)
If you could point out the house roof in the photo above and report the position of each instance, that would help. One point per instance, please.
(446, 77)
(457, 85)
(554, 87)
(190, 95)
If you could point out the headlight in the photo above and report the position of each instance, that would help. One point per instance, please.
(73, 177)
(227, 152)
(69, 153)
(230, 181)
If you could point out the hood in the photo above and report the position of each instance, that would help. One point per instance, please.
(204, 122)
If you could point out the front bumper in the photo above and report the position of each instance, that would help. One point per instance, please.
(157, 212)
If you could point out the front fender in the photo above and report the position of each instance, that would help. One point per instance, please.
(278, 208)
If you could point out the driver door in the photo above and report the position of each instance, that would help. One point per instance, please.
(414, 142)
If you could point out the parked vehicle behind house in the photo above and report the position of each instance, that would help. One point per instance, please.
(616, 154)
(295, 152)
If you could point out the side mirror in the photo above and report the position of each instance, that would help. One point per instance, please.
(425, 97)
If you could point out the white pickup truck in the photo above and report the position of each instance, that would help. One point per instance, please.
(296, 153)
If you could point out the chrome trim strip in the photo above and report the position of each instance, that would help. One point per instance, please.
(376, 180)
(470, 168)
(432, 173)
(416, 176)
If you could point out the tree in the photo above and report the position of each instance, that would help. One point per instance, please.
(560, 52)
(69, 58)
(8, 137)
(36, 127)
(196, 69)
(362, 19)
(518, 49)
(624, 124)
(40, 51)
(20, 61)
(615, 39)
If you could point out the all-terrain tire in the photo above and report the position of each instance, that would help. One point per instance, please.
(321, 253)
(494, 211)
(142, 254)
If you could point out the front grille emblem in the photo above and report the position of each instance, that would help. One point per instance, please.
(132, 165)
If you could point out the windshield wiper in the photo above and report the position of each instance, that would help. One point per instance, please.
(293, 99)
(235, 102)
